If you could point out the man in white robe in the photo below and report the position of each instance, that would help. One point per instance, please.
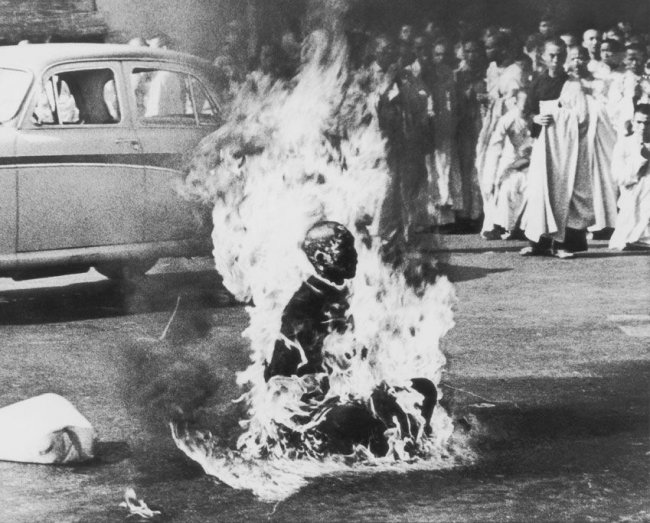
(508, 157)
(625, 89)
(591, 39)
(632, 167)
(560, 197)
(601, 137)
(505, 79)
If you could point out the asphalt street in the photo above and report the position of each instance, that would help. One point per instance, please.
(548, 362)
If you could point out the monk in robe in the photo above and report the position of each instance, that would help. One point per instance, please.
(631, 163)
(445, 181)
(394, 99)
(509, 157)
(505, 78)
(624, 90)
(601, 137)
(471, 86)
(320, 307)
(559, 204)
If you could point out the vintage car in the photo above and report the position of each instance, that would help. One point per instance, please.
(93, 141)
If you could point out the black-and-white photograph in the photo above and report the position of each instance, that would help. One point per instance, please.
(324, 260)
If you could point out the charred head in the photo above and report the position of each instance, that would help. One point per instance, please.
(329, 247)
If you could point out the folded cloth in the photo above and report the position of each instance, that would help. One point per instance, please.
(45, 429)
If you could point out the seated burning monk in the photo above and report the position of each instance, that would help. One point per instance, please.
(318, 308)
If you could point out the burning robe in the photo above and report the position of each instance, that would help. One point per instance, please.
(270, 172)
(318, 308)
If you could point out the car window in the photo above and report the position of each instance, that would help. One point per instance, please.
(162, 96)
(13, 86)
(205, 108)
(171, 97)
(86, 96)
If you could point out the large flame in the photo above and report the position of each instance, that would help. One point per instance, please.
(271, 172)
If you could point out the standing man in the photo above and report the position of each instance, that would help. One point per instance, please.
(535, 42)
(392, 98)
(445, 182)
(632, 167)
(625, 89)
(601, 138)
(471, 86)
(559, 201)
(591, 42)
(505, 78)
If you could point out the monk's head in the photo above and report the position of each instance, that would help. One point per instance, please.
(329, 247)
(554, 54)
(577, 60)
(641, 122)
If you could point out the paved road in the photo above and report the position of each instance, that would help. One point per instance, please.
(548, 357)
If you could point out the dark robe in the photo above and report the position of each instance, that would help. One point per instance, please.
(404, 122)
(542, 88)
(315, 310)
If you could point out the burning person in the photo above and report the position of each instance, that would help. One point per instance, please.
(318, 308)
(324, 393)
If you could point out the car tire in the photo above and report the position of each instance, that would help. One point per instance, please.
(126, 270)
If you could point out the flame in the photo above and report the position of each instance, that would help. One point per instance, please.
(137, 507)
(271, 172)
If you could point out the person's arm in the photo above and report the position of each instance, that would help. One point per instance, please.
(531, 111)
(492, 166)
(629, 161)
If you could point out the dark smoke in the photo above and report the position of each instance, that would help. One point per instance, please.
(177, 380)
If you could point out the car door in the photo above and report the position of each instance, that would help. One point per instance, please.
(81, 180)
(173, 111)
(7, 191)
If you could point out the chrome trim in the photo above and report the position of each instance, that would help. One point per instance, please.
(47, 165)
(105, 253)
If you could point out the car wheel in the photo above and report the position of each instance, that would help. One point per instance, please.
(126, 270)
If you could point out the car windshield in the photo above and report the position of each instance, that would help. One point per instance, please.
(13, 86)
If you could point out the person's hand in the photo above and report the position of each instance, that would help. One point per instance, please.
(543, 119)
(391, 74)
(645, 150)
(483, 98)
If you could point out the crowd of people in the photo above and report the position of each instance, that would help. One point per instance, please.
(544, 138)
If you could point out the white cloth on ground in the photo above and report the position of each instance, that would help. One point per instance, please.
(45, 429)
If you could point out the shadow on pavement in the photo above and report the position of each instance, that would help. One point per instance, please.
(612, 401)
(109, 452)
(458, 273)
(480, 250)
(613, 254)
(107, 298)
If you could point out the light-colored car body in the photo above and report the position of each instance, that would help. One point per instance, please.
(93, 141)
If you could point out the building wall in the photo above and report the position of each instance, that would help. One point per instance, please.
(196, 26)
(40, 20)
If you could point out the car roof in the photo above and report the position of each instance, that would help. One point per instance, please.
(36, 57)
